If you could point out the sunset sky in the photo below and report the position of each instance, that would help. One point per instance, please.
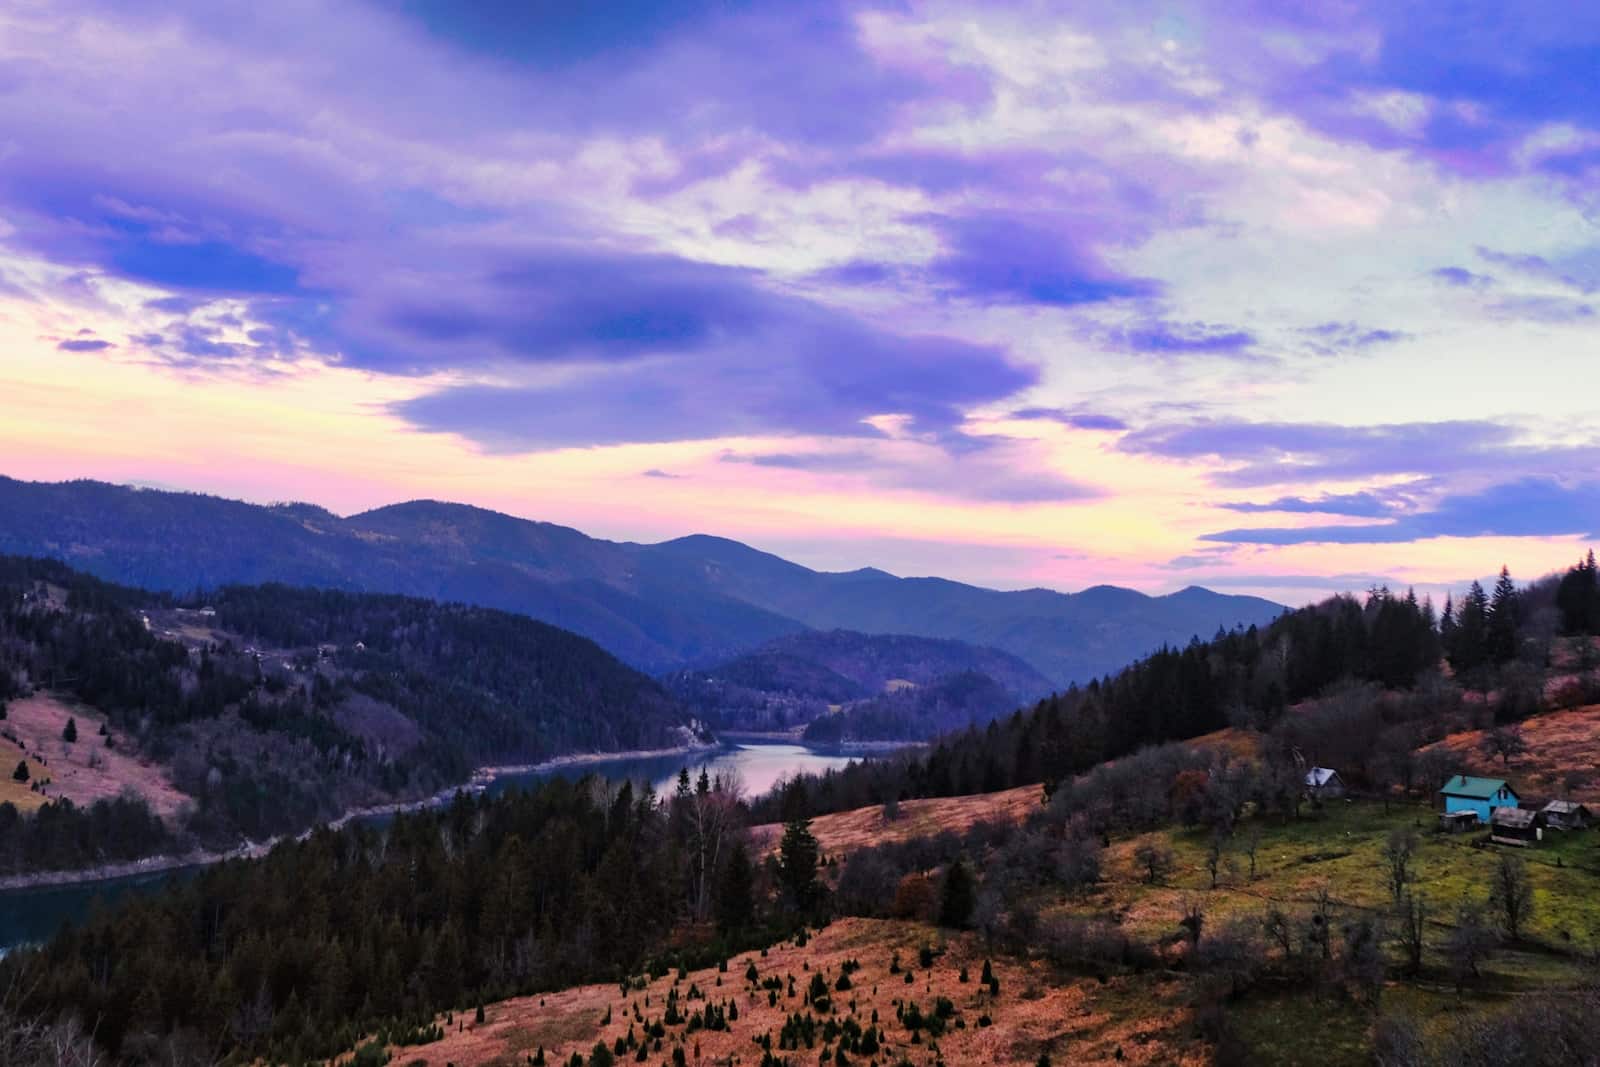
(1058, 294)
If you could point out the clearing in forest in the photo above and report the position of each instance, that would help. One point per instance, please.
(87, 769)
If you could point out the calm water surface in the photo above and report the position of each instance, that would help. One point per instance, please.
(32, 915)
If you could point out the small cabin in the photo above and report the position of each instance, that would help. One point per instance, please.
(1516, 826)
(1480, 796)
(1567, 815)
(1458, 822)
(1324, 783)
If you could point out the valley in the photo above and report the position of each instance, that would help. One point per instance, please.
(1142, 869)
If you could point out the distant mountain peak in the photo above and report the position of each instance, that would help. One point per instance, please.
(691, 600)
(868, 574)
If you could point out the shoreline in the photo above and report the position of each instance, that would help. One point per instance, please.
(578, 759)
(476, 782)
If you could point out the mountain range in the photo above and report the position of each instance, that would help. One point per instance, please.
(693, 601)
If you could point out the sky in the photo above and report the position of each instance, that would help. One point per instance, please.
(1272, 298)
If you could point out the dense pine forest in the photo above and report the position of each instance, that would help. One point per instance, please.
(295, 705)
(297, 955)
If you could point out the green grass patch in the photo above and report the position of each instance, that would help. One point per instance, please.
(1303, 1030)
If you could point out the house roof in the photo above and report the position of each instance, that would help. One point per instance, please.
(1517, 818)
(1565, 807)
(1462, 785)
(1320, 776)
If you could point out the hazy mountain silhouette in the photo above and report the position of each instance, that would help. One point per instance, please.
(692, 601)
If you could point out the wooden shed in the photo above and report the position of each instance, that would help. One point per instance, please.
(1516, 826)
(1567, 815)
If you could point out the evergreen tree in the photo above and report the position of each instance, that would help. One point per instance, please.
(1578, 598)
(1504, 620)
(798, 853)
(736, 907)
(957, 896)
(21, 773)
(1469, 649)
(70, 733)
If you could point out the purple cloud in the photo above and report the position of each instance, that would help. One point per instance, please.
(666, 344)
(1020, 260)
(1161, 338)
(1487, 75)
(1462, 278)
(1276, 453)
(973, 475)
(1078, 420)
(1367, 505)
(1579, 270)
(1526, 507)
(84, 345)
(1536, 307)
(1332, 337)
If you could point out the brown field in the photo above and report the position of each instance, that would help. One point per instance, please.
(13, 792)
(1138, 1021)
(1558, 743)
(37, 722)
(1238, 743)
(843, 832)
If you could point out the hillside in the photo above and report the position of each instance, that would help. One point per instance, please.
(263, 709)
(683, 603)
(1121, 1021)
(933, 685)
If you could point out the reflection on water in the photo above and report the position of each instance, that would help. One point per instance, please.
(759, 765)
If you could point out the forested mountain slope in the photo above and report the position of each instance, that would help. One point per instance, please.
(683, 603)
(1358, 684)
(271, 707)
(793, 680)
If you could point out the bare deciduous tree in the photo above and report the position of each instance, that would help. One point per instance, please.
(1219, 844)
(1193, 920)
(1413, 916)
(1362, 959)
(1156, 861)
(1320, 932)
(1398, 853)
(1252, 844)
(1469, 943)
(1504, 743)
(712, 811)
(1511, 896)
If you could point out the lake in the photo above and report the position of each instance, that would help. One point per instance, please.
(32, 915)
(759, 764)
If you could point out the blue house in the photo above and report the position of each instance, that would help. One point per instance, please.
(1477, 795)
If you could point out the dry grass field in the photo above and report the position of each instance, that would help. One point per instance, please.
(86, 770)
(19, 794)
(843, 832)
(1559, 743)
(1133, 1021)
